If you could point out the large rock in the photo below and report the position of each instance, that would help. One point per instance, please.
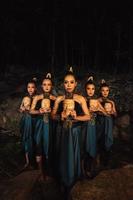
(9, 114)
(122, 128)
(27, 186)
(108, 185)
(20, 187)
(123, 121)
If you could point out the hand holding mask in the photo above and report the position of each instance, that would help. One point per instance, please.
(93, 105)
(68, 107)
(108, 107)
(45, 106)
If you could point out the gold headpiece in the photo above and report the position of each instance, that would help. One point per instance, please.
(103, 81)
(34, 79)
(90, 78)
(48, 75)
(71, 69)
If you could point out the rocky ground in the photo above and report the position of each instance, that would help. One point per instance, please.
(112, 184)
(11, 156)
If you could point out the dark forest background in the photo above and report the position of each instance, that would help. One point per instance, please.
(50, 35)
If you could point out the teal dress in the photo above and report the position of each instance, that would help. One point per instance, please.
(89, 147)
(104, 130)
(104, 135)
(108, 132)
(26, 131)
(27, 125)
(69, 149)
(90, 139)
(43, 133)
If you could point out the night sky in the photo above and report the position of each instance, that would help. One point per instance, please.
(57, 33)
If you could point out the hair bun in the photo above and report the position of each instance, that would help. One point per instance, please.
(48, 75)
(90, 78)
(71, 69)
(103, 81)
(34, 79)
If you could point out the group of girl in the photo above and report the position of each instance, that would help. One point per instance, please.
(68, 134)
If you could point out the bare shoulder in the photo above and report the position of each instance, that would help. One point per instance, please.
(26, 98)
(111, 101)
(99, 99)
(52, 97)
(59, 99)
(79, 98)
(38, 97)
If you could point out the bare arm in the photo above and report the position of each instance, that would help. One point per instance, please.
(56, 106)
(54, 111)
(86, 115)
(101, 109)
(33, 105)
(21, 108)
(53, 97)
(114, 112)
(114, 109)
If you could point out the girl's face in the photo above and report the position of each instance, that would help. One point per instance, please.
(31, 88)
(69, 83)
(105, 91)
(47, 85)
(90, 90)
